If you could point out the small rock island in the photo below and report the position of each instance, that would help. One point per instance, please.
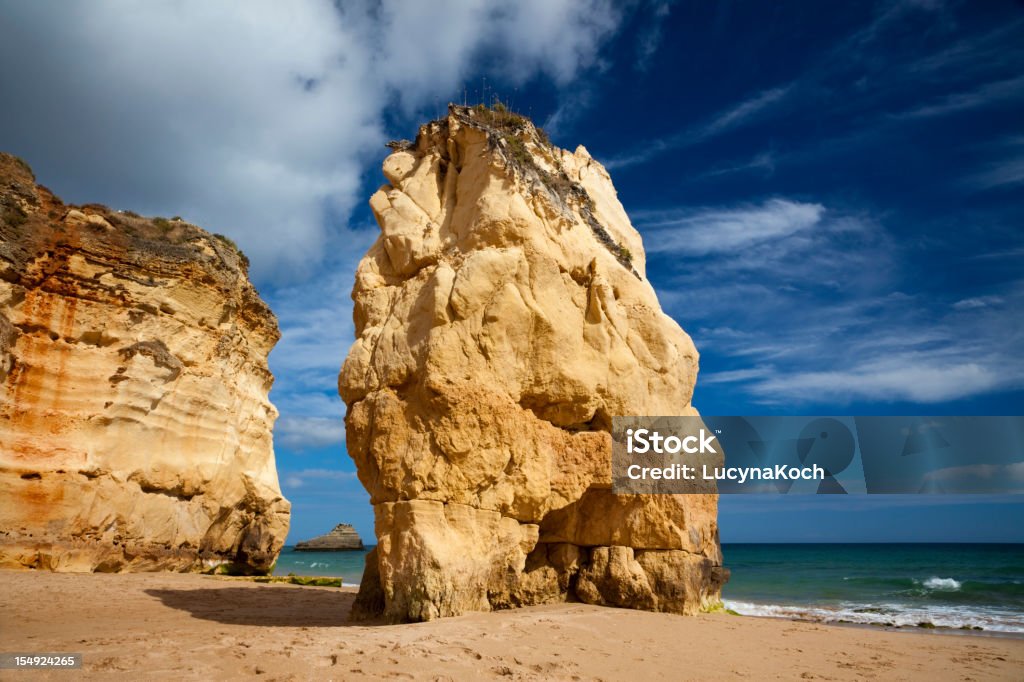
(343, 538)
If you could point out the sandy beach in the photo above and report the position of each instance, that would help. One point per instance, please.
(166, 626)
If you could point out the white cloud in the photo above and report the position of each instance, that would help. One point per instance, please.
(301, 433)
(257, 119)
(987, 94)
(197, 109)
(913, 377)
(735, 116)
(1014, 472)
(743, 112)
(650, 34)
(800, 304)
(763, 161)
(726, 230)
(306, 477)
(1003, 173)
(977, 302)
(984, 478)
(736, 375)
(317, 330)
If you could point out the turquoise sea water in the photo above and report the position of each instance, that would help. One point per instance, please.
(945, 585)
(345, 565)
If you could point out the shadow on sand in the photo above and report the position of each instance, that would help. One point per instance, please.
(269, 605)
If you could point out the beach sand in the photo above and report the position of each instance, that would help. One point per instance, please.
(147, 626)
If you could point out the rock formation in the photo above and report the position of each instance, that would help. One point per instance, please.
(135, 429)
(342, 538)
(502, 319)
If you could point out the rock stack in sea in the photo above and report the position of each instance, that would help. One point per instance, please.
(503, 317)
(342, 538)
(135, 427)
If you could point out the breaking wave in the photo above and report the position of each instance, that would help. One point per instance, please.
(891, 615)
(946, 584)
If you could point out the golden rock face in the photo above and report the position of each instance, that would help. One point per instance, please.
(502, 318)
(135, 428)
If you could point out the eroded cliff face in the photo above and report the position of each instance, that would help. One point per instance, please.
(135, 429)
(502, 318)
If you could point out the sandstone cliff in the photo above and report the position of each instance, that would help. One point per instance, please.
(342, 537)
(502, 318)
(135, 429)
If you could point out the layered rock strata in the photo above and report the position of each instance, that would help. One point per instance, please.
(342, 537)
(502, 318)
(135, 428)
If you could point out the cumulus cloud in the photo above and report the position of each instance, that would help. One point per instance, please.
(257, 119)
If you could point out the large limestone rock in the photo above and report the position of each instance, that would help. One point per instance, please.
(135, 429)
(502, 318)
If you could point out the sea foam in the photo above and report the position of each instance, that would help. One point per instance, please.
(945, 584)
(889, 615)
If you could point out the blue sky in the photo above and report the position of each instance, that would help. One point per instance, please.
(829, 194)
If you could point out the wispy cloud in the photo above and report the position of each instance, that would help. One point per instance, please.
(728, 119)
(913, 377)
(800, 304)
(736, 375)
(650, 34)
(971, 54)
(304, 477)
(985, 95)
(879, 90)
(725, 230)
(742, 112)
(1007, 170)
(764, 162)
(317, 329)
(856, 56)
(977, 302)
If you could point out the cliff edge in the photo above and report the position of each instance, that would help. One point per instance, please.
(502, 319)
(135, 428)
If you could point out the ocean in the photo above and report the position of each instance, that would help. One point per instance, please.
(345, 565)
(958, 586)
